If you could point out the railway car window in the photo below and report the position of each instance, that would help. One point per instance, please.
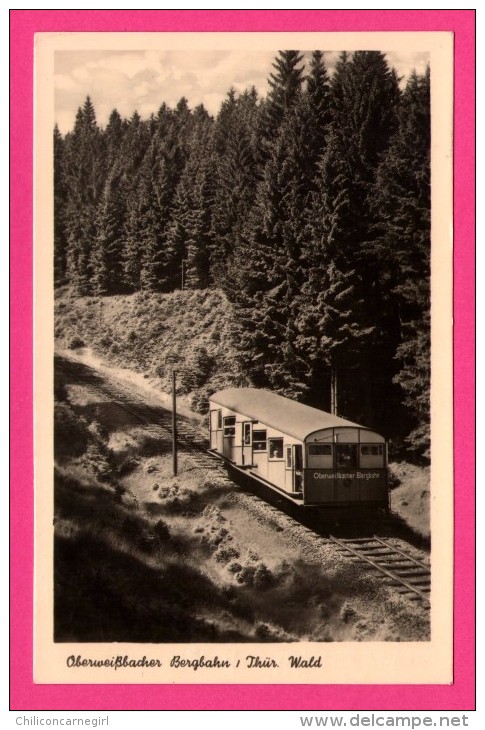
(275, 448)
(320, 450)
(229, 425)
(346, 456)
(247, 434)
(289, 460)
(371, 456)
(219, 420)
(320, 456)
(259, 440)
(375, 450)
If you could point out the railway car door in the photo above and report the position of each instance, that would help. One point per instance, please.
(297, 467)
(247, 443)
(294, 467)
(229, 433)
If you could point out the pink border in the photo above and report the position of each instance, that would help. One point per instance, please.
(24, 694)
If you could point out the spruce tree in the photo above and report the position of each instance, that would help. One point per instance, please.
(364, 96)
(236, 179)
(275, 239)
(285, 87)
(84, 178)
(106, 255)
(402, 202)
(135, 143)
(60, 195)
(189, 231)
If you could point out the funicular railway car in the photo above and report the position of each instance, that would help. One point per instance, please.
(310, 456)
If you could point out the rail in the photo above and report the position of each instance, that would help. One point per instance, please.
(401, 568)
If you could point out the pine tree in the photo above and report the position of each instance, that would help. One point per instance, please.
(364, 93)
(155, 201)
(275, 238)
(106, 255)
(332, 315)
(113, 138)
(189, 231)
(236, 181)
(135, 143)
(402, 203)
(285, 88)
(84, 180)
(285, 85)
(319, 99)
(274, 235)
(60, 195)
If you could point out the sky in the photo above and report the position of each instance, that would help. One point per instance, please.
(143, 80)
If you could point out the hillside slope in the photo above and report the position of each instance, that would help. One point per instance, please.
(139, 331)
(199, 327)
(145, 556)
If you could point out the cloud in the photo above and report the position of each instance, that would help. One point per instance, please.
(406, 63)
(143, 80)
(65, 83)
(126, 64)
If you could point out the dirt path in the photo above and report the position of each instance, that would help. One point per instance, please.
(265, 576)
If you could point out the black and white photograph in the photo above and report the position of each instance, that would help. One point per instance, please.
(241, 274)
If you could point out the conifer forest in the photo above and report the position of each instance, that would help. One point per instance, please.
(310, 209)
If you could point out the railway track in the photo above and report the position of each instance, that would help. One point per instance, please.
(157, 418)
(407, 575)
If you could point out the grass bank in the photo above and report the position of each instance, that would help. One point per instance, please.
(195, 328)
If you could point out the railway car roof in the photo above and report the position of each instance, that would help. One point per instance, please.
(283, 414)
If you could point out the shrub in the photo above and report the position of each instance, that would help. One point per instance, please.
(200, 402)
(161, 531)
(169, 491)
(127, 465)
(217, 536)
(246, 575)
(225, 554)
(263, 578)
(234, 567)
(119, 492)
(70, 432)
(76, 342)
(266, 631)
(347, 613)
(198, 369)
(105, 341)
(255, 574)
(213, 513)
(97, 461)
(98, 431)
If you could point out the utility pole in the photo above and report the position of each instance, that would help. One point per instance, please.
(172, 360)
(174, 421)
(184, 261)
(333, 391)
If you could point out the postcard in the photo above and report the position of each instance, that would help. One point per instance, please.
(243, 360)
